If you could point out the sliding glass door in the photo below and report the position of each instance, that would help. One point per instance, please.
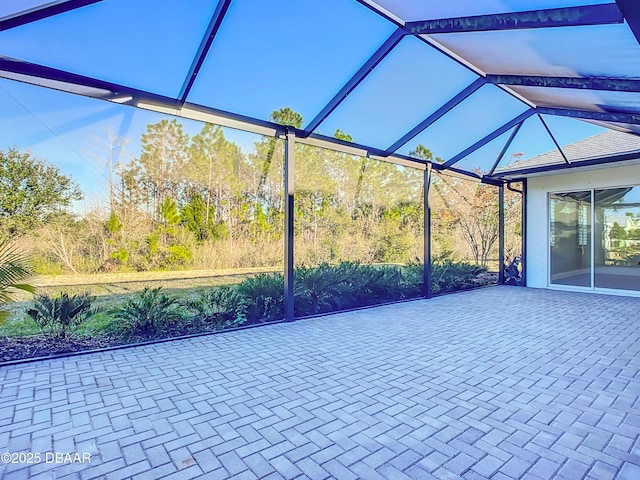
(570, 239)
(594, 238)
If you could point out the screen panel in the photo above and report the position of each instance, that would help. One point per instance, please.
(531, 141)
(295, 54)
(359, 231)
(483, 159)
(583, 99)
(464, 228)
(586, 51)
(15, 8)
(113, 41)
(470, 121)
(128, 204)
(569, 131)
(408, 85)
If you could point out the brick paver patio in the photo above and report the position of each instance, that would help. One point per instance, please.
(500, 383)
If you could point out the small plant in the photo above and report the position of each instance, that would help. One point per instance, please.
(221, 307)
(61, 315)
(147, 312)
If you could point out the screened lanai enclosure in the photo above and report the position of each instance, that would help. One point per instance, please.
(249, 161)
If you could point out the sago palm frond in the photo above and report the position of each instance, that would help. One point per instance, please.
(14, 268)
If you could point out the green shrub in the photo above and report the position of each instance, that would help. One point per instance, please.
(319, 289)
(347, 285)
(179, 255)
(220, 307)
(376, 284)
(412, 279)
(43, 265)
(147, 313)
(264, 296)
(121, 256)
(153, 244)
(61, 315)
(449, 276)
(393, 244)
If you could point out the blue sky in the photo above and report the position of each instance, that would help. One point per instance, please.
(73, 132)
(264, 58)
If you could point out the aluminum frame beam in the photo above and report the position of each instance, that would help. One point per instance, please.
(617, 117)
(505, 148)
(578, 83)
(357, 78)
(203, 50)
(49, 9)
(35, 74)
(631, 11)
(455, 172)
(546, 127)
(435, 116)
(548, 18)
(438, 167)
(492, 136)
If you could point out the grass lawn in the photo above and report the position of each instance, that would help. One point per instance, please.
(112, 289)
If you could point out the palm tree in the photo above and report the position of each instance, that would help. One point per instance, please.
(14, 267)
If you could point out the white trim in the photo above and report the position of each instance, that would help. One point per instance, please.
(384, 11)
(548, 215)
(570, 288)
(599, 291)
(592, 266)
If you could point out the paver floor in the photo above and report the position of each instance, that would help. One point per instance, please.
(500, 383)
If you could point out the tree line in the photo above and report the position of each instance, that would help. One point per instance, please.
(202, 202)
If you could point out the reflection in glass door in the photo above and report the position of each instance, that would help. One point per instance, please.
(617, 238)
(570, 238)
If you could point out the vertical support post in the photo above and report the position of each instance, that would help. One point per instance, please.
(501, 234)
(426, 289)
(523, 229)
(289, 190)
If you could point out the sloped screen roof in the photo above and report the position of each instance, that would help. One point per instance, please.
(477, 83)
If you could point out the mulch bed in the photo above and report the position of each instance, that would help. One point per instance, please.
(485, 278)
(43, 346)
